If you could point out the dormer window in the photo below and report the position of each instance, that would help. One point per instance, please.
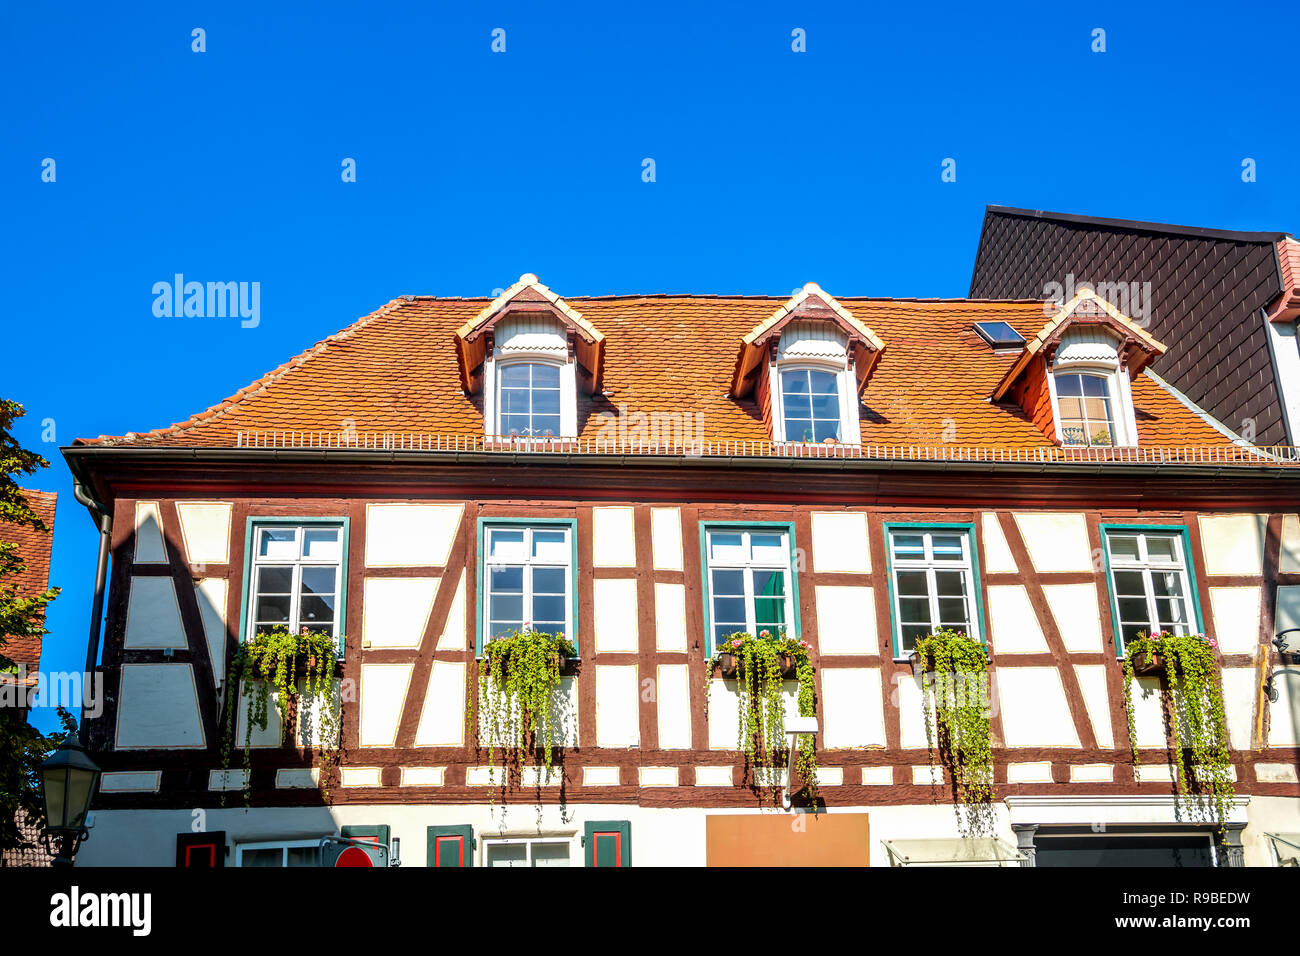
(1084, 405)
(528, 399)
(805, 368)
(810, 400)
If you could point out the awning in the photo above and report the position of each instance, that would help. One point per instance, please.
(1287, 848)
(957, 851)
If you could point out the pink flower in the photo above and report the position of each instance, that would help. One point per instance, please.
(1214, 644)
(764, 633)
(737, 643)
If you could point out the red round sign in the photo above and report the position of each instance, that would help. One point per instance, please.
(354, 856)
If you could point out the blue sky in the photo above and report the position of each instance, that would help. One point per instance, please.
(773, 168)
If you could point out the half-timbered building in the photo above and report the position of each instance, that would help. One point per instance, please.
(650, 474)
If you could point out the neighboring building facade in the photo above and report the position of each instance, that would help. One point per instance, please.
(1225, 303)
(649, 473)
(34, 547)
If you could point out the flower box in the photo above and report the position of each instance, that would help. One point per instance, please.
(1147, 665)
(728, 666)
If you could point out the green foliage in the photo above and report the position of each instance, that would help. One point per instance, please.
(22, 747)
(1193, 708)
(956, 687)
(760, 730)
(279, 660)
(518, 677)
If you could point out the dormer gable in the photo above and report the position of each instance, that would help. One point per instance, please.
(522, 312)
(862, 347)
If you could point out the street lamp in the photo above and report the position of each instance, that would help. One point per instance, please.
(1288, 644)
(794, 726)
(68, 780)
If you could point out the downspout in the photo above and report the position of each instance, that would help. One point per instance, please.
(104, 519)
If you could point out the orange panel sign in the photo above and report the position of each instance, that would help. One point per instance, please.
(787, 839)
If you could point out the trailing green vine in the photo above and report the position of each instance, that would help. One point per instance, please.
(518, 677)
(280, 661)
(1194, 713)
(956, 687)
(760, 665)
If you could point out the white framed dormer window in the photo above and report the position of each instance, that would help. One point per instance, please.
(750, 586)
(813, 393)
(530, 383)
(1092, 401)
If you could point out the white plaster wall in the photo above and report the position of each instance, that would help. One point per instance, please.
(158, 707)
(613, 538)
(153, 618)
(618, 722)
(408, 535)
(1074, 609)
(840, 542)
(724, 711)
(211, 595)
(670, 617)
(564, 716)
(395, 611)
(1148, 712)
(997, 555)
(1290, 558)
(383, 694)
(256, 736)
(666, 538)
(442, 718)
(1055, 541)
(846, 620)
(453, 629)
(616, 615)
(1096, 700)
(1236, 618)
(1013, 621)
(1233, 544)
(205, 531)
(852, 707)
(149, 548)
(1239, 688)
(673, 705)
(1034, 708)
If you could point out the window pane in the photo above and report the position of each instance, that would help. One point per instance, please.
(1130, 584)
(507, 854)
(729, 582)
(321, 544)
(1162, 548)
(730, 611)
(768, 548)
(799, 429)
(274, 580)
(269, 856)
(1094, 386)
(318, 580)
(726, 547)
(316, 610)
(1133, 610)
(769, 597)
(546, 426)
(794, 383)
(549, 607)
(1167, 583)
(272, 610)
(825, 430)
(950, 583)
(909, 545)
(1170, 611)
(303, 855)
(798, 406)
(1069, 385)
(546, 401)
(912, 583)
(1123, 547)
(515, 375)
(506, 580)
(952, 611)
(947, 547)
(826, 406)
(506, 544)
(1071, 408)
(278, 543)
(546, 376)
(914, 610)
(516, 425)
(552, 546)
(823, 383)
(550, 854)
(910, 634)
(506, 607)
(548, 580)
(514, 401)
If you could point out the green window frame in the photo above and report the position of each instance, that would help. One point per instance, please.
(480, 594)
(967, 529)
(1188, 569)
(255, 522)
(793, 627)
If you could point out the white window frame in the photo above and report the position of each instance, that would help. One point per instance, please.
(529, 842)
(1148, 566)
(528, 563)
(568, 395)
(283, 845)
(258, 561)
(929, 564)
(1119, 391)
(850, 423)
(747, 569)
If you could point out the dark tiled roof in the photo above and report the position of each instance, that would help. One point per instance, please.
(1207, 289)
(34, 549)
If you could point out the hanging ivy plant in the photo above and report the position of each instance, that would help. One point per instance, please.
(299, 667)
(1193, 709)
(760, 666)
(955, 690)
(518, 678)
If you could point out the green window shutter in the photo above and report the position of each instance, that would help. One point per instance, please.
(451, 846)
(369, 834)
(608, 843)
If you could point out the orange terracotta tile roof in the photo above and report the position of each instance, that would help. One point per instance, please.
(395, 370)
(34, 549)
